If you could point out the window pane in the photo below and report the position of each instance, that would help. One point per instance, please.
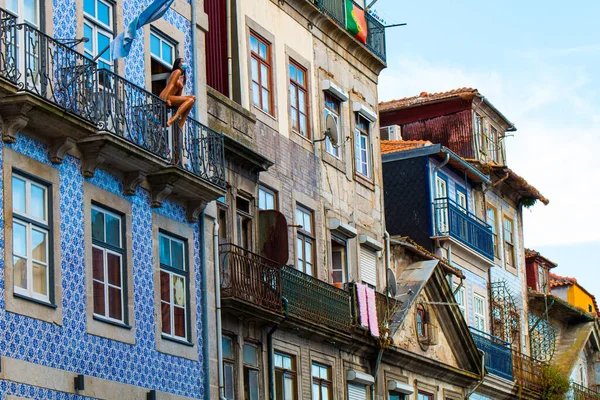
(103, 42)
(300, 78)
(88, 33)
(12, 5)
(154, 45)
(88, 7)
(303, 127)
(324, 393)
(229, 383)
(278, 360)
(165, 250)
(292, 72)
(264, 76)
(20, 272)
(253, 388)
(289, 388)
(315, 371)
(114, 269)
(165, 310)
(265, 101)
(177, 255)
(29, 11)
(167, 51)
(113, 230)
(164, 286)
(97, 264)
(97, 225)
(308, 251)
(307, 223)
(262, 50)
(114, 303)
(18, 194)
(253, 44)
(103, 13)
(255, 95)
(179, 321)
(249, 355)
(315, 391)
(299, 253)
(178, 290)
(19, 239)
(287, 362)
(39, 245)
(99, 298)
(227, 347)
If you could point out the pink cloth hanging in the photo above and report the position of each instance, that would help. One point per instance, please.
(363, 312)
(372, 310)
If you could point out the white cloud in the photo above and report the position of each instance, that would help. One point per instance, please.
(558, 139)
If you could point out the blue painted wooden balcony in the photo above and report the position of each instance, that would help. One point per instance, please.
(497, 354)
(454, 221)
(64, 97)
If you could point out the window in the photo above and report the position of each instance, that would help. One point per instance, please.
(228, 368)
(299, 99)
(321, 382)
(304, 241)
(26, 10)
(285, 377)
(368, 266)
(459, 297)
(266, 198)
(108, 253)
(479, 311)
(222, 210)
(424, 396)
(251, 372)
(98, 29)
(339, 272)
(493, 144)
(461, 199)
(441, 208)
(542, 279)
(174, 278)
(492, 221)
(479, 135)
(243, 223)
(260, 69)
(509, 247)
(396, 396)
(363, 154)
(421, 319)
(31, 238)
(162, 56)
(332, 107)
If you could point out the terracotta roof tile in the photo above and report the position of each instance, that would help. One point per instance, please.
(394, 146)
(559, 281)
(424, 97)
(530, 253)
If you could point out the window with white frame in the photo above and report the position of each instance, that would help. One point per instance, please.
(479, 312)
(27, 11)
(332, 107)
(494, 144)
(363, 146)
(267, 198)
(31, 238)
(492, 220)
(461, 199)
(509, 241)
(162, 56)
(305, 240)
(174, 281)
(98, 28)
(108, 255)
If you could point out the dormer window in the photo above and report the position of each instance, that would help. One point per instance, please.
(542, 279)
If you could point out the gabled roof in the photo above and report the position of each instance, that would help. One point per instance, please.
(466, 94)
(393, 146)
(531, 254)
(557, 281)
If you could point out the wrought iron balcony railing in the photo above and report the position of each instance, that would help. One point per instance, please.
(582, 393)
(453, 220)
(527, 372)
(386, 308)
(50, 70)
(336, 9)
(497, 353)
(315, 301)
(250, 277)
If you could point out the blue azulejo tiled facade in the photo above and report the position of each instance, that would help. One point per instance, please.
(68, 346)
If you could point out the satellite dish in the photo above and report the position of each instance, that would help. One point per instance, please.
(332, 131)
(391, 282)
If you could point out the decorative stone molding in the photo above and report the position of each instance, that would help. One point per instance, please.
(59, 148)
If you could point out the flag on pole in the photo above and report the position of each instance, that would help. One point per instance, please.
(121, 45)
(355, 21)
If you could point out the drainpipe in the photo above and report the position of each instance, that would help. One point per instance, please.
(195, 57)
(204, 305)
(482, 376)
(443, 164)
(229, 50)
(218, 309)
(388, 261)
(270, 350)
(376, 371)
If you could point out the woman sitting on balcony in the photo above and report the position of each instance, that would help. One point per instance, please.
(173, 93)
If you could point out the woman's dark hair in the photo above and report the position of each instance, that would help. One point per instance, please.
(176, 65)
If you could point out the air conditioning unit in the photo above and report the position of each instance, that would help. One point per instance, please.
(392, 132)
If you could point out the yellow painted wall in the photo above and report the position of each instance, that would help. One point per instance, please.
(579, 298)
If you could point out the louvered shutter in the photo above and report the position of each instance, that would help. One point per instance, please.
(368, 266)
(357, 392)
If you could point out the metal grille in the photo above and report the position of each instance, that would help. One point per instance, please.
(582, 393)
(315, 301)
(505, 315)
(542, 338)
(527, 372)
(8, 49)
(497, 353)
(250, 277)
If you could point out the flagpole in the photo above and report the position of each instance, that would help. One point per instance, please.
(100, 53)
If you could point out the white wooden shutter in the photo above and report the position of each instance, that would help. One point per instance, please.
(357, 392)
(368, 266)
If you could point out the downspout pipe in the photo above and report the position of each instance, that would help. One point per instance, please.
(195, 87)
(218, 310)
(443, 164)
(376, 371)
(388, 257)
(204, 305)
(468, 396)
(270, 349)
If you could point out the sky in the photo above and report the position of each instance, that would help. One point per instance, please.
(539, 63)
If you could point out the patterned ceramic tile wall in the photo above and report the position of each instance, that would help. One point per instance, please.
(69, 347)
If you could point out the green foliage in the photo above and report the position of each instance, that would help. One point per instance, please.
(554, 384)
(528, 202)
